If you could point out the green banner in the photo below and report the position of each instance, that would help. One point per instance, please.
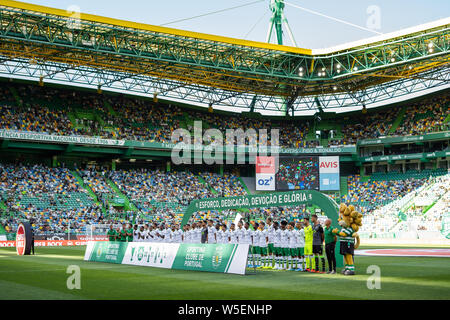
(112, 252)
(39, 137)
(19, 135)
(412, 156)
(406, 139)
(245, 149)
(204, 257)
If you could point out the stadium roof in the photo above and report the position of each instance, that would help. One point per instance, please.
(89, 50)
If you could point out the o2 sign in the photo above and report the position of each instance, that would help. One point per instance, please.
(265, 182)
(23, 239)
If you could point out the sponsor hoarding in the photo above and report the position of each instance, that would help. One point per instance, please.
(265, 173)
(223, 258)
(329, 173)
(48, 243)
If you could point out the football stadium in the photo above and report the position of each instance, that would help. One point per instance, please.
(145, 162)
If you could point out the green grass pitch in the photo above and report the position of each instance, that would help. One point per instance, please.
(44, 277)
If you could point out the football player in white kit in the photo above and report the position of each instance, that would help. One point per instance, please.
(276, 245)
(247, 238)
(219, 235)
(270, 238)
(234, 236)
(192, 233)
(284, 245)
(293, 254)
(159, 234)
(255, 246)
(261, 235)
(301, 245)
(167, 235)
(212, 237)
(223, 235)
(239, 231)
(150, 234)
(198, 233)
(142, 235)
(187, 234)
(176, 235)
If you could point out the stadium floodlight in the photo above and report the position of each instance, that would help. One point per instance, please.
(430, 45)
(334, 88)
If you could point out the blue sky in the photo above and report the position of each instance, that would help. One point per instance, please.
(310, 31)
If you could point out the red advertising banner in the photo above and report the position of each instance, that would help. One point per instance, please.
(51, 243)
(265, 165)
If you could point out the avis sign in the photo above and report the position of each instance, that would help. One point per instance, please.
(329, 173)
(265, 173)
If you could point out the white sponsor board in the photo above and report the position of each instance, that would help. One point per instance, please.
(221, 258)
(158, 255)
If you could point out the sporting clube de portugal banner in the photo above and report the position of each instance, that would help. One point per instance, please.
(223, 258)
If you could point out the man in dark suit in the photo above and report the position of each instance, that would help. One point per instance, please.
(204, 232)
(32, 240)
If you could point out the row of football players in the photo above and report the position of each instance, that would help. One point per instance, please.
(274, 245)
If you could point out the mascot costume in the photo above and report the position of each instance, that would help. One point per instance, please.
(350, 220)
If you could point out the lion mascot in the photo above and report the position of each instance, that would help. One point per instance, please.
(350, 220)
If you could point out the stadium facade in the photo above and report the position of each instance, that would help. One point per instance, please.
(94, 92)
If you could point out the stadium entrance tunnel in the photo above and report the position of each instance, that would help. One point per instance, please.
(267, 200)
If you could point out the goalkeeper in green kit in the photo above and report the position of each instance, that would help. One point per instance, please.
(310, 262)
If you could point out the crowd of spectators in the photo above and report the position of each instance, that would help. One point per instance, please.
(374, 193)
(368, 126)
(227, 185)
(142, 185)
(48, 110)
(425, 116)
(51, 198)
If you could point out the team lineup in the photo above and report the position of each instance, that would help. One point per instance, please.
(292, 246)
